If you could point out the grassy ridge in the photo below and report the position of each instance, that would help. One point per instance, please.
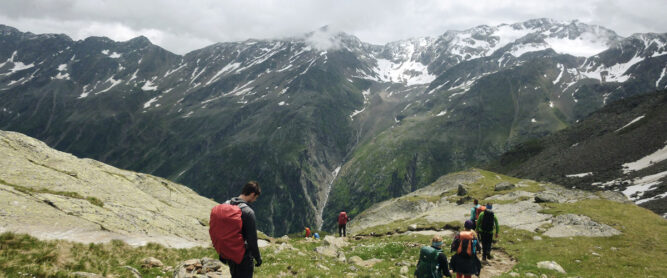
(27, 255)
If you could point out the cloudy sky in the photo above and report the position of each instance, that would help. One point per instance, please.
(184, 25)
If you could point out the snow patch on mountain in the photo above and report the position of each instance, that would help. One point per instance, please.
(581, 175)
(150, 102)
(365, 93)
(613, 73)
(148, 86)
(560, 75)
(17, 65)
(646, 161)
(521, 49)
(408, 72)
(631, 122)
(113, 82)
(225, 69)
(506, 34)
(85, 92)
(62, 76)
(657, 82)
(585, 45)
(641, 185)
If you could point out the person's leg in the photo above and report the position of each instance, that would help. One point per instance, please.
(243, 270)
(340, 230)
(345, 230)
(467, 276)
(486, 244)
(488, 251)
(459, 275)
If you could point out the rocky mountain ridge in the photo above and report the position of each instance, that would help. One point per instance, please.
(517, 203)
(55, 195)
(311, 116)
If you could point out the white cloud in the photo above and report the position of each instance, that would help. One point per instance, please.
(182, 26)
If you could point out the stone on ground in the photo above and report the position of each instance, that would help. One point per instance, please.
(551, 265)
(504, 186)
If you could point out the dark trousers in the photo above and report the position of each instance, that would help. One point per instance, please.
(242, 270)
(487, 240)
(342, 230)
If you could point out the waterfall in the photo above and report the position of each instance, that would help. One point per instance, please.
(320, 210)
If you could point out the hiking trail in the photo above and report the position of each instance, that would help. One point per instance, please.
(501, 263)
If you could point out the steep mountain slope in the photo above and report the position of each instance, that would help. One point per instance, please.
(317, 113)
(620, 147)
(55, 195)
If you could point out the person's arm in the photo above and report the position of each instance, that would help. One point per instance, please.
(442, 261)
(455, 243)
(478, 228)
(249, 231)
(495, 220)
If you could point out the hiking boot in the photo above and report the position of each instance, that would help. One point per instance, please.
(489, 256)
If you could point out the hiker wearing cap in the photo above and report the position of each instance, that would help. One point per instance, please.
(432, 262)
(466, 245)
(486, 223)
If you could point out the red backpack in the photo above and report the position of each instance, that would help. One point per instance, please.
(342, 218)
(225, 230)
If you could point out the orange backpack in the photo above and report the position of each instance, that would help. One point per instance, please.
(466, 239)
(479, 210)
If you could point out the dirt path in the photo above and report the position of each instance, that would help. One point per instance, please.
(501, 263)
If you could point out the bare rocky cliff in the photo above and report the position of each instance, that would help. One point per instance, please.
(54, 195)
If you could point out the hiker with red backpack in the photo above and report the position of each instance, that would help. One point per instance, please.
(432, 262)
(342, 224)
(234, 234)
(485, 224)
(466, 245)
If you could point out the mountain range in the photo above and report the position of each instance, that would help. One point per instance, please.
(324, 121)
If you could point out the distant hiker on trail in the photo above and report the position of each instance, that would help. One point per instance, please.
(316, 236)
(342, 223)
(473, 212)
(466, 245)
(234, 234)
(485, 224)
(432, 262)
(307, 232)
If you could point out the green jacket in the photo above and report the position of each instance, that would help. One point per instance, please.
(479, 223)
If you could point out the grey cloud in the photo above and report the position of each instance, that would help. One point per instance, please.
(182, 26)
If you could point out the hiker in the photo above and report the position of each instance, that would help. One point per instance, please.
(342, 223)
(307, 232)
(432, 262)
(485, 224)
(473, 211)
(466, 245)
(234, 234)
(478, 209)
(316, 236)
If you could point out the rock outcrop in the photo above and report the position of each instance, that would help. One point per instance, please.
(54, 195)
(518, 208)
